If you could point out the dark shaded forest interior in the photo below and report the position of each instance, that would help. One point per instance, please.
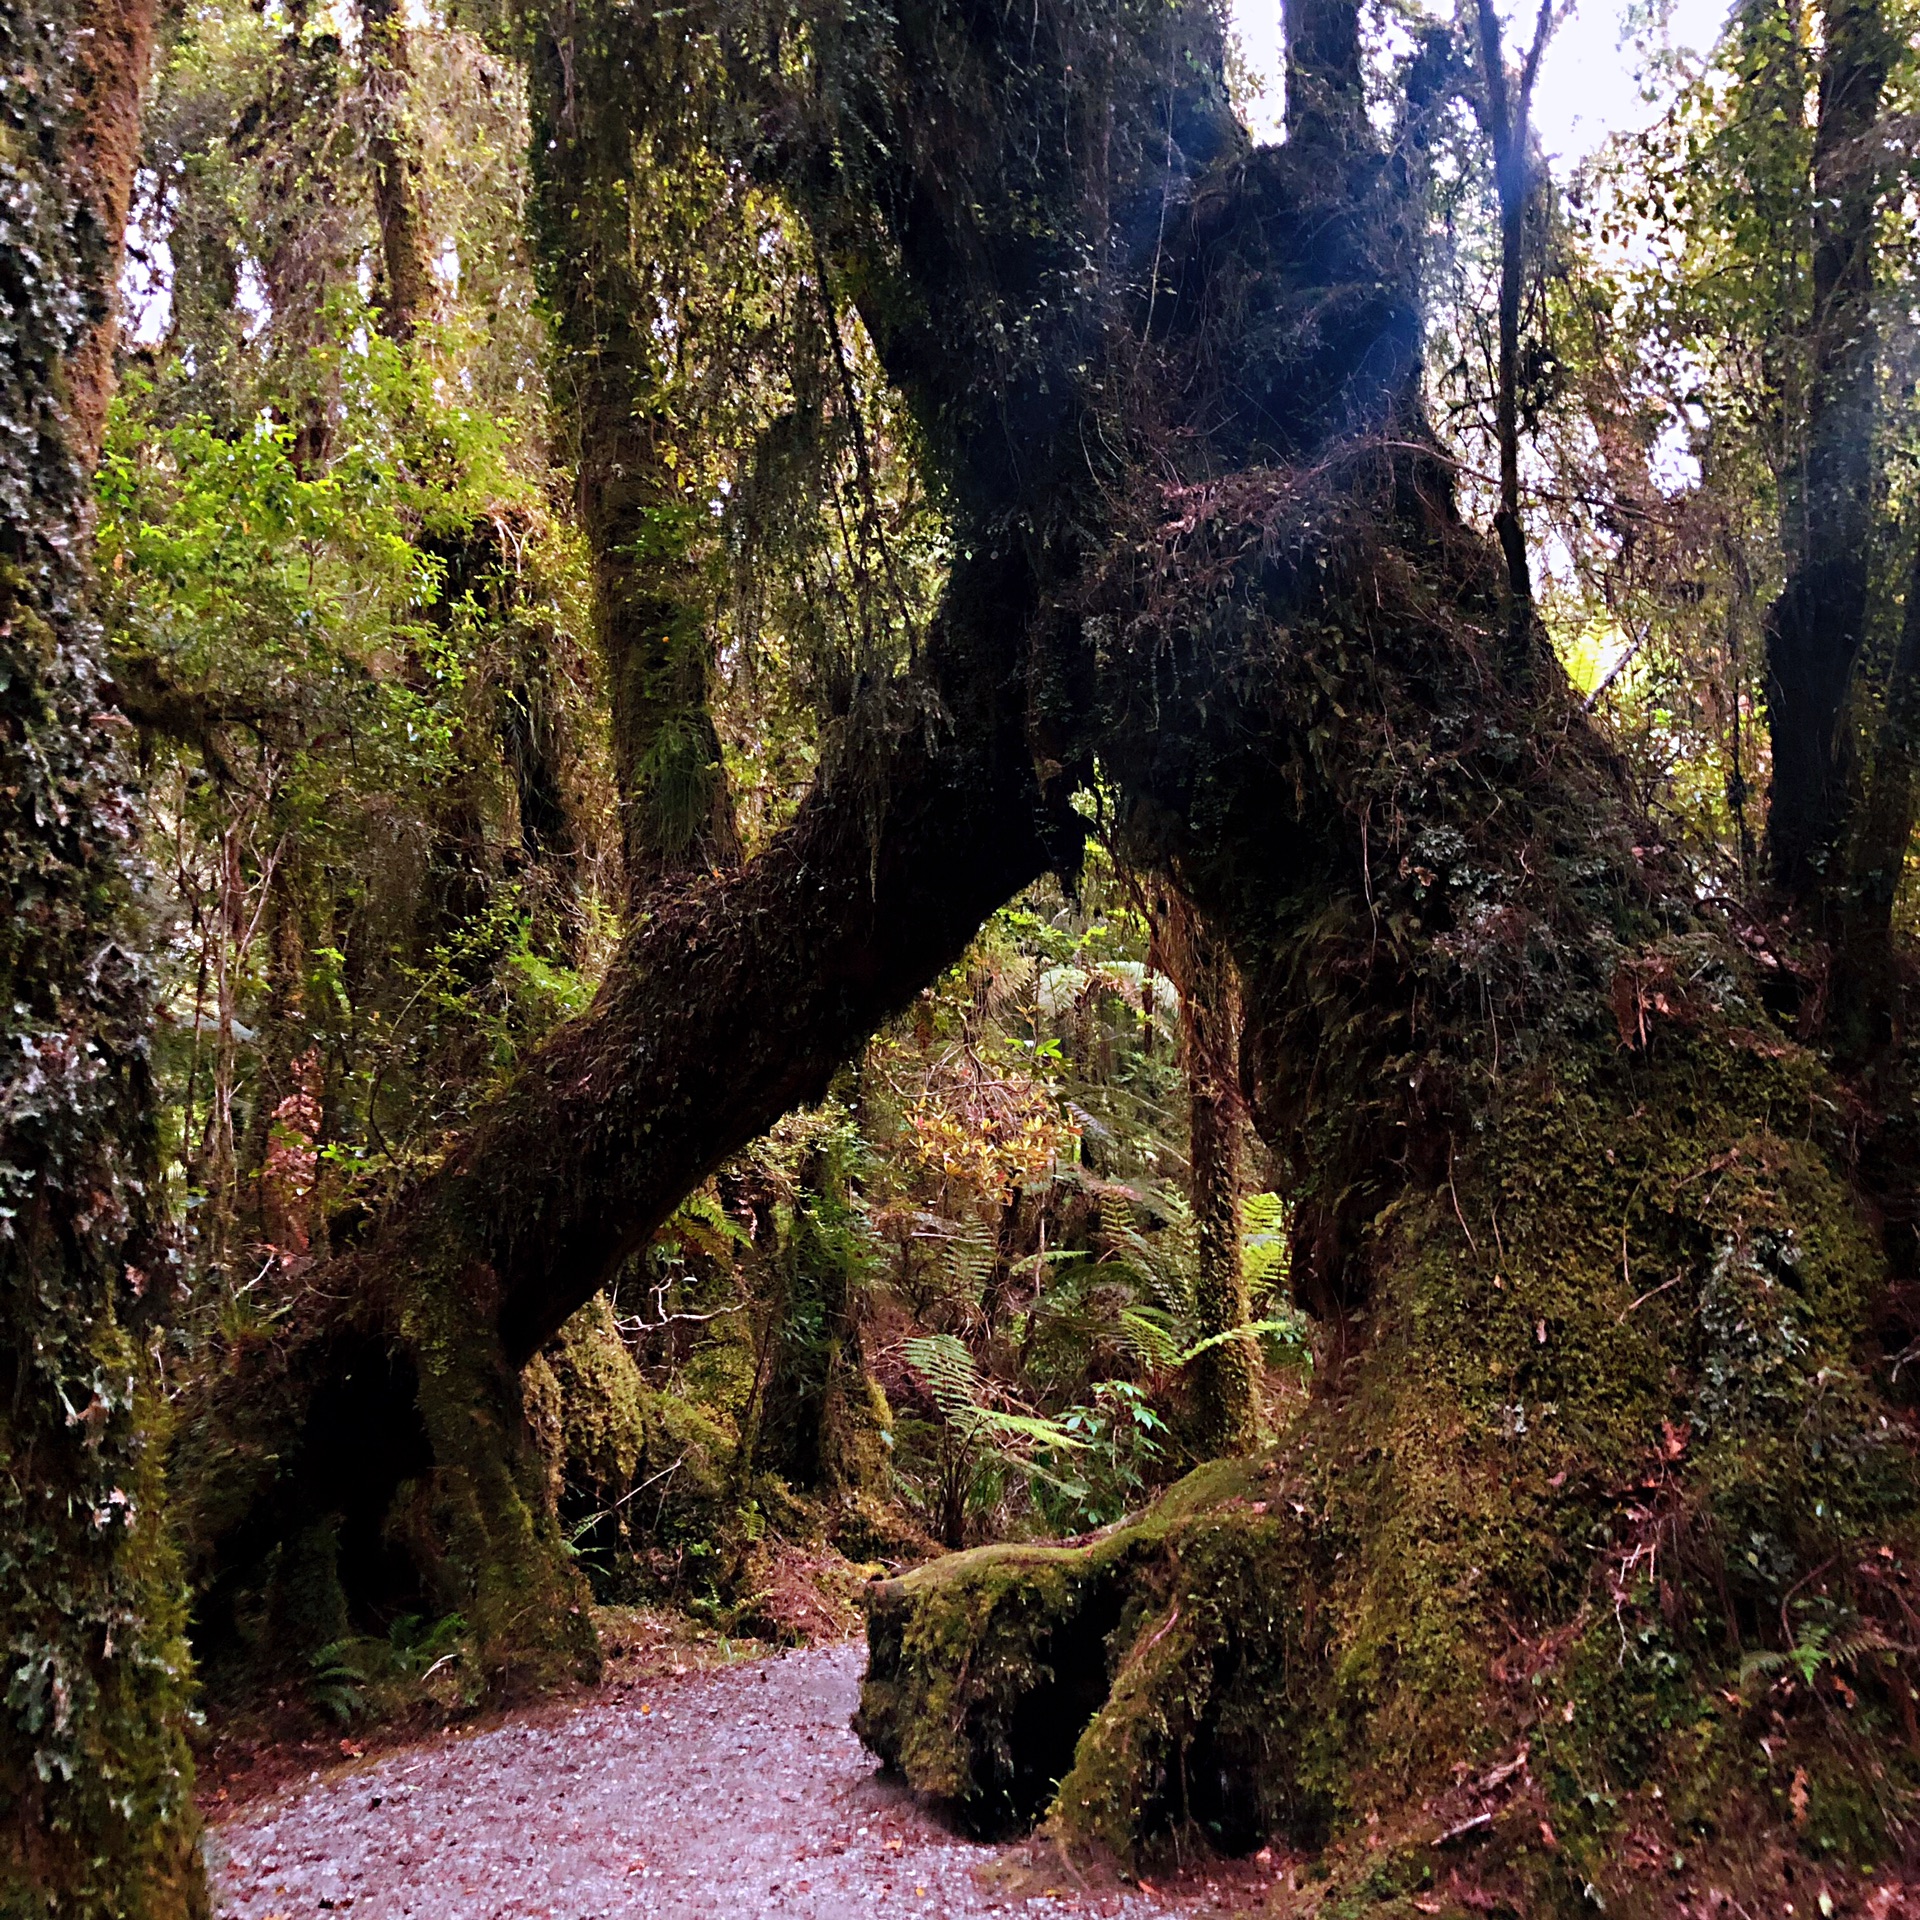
(813, 815)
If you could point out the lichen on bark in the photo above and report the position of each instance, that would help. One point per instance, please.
(95, 1813)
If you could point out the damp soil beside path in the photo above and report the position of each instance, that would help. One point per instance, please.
(726, 1794)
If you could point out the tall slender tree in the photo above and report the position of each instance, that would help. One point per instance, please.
(1816, 626)
(1226, 1373)
(605, 83)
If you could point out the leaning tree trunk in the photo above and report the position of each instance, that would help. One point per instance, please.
(394, 1412)
(95, 1817)
(732, 1002)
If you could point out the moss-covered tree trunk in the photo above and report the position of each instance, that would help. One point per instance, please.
(604, 82)
(406, 276)
(1867, 986)
(95, 1817)
(1816, 626)
(1596, 1420)
(1593, 1546)
(1225, 1373)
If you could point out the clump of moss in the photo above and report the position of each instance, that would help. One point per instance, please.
(584, 1397)
(869, 1531)
(652, 1493)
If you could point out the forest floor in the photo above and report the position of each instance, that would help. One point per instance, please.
(686, 1784)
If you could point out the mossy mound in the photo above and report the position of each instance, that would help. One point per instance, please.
(869, 1531)
(988, 1666)
(639, 1478)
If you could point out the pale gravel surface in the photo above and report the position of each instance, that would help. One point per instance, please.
(723, 1796)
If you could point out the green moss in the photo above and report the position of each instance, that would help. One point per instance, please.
(96, 1817)
(503, 1563)
(869, 1532)
(639, 1478)
(602, 1426)
(1403, 1871)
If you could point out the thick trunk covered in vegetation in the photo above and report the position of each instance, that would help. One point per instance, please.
(1868, 988)
(1593, 1421)
(95, 1817)
(1595, 1452)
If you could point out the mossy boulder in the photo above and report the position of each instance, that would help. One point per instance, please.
(1012, 1678)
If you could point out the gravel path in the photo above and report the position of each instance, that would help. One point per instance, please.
(726, 1795)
